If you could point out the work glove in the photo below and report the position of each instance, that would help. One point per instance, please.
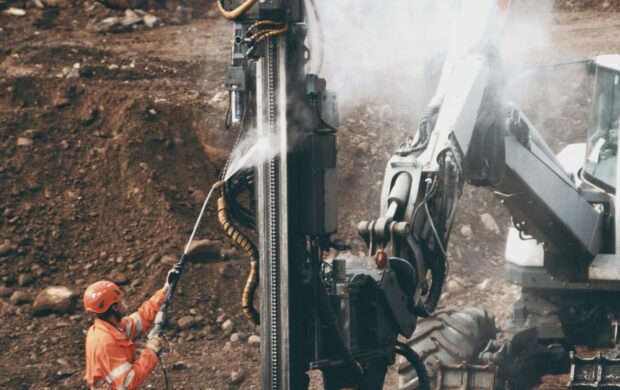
(155, 344)
(173, 275)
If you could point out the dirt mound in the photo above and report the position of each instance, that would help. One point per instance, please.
(108, 147)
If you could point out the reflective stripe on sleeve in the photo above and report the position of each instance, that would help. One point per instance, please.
(127, 380)
(138, 321)
(128, 328)
(118, 371)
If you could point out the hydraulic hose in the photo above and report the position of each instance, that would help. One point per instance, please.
(251, 284)
(438, 276)
(416, 362)
(438, 268)
(262, 35)
(237, 12)
(261, 23)
(243, 215)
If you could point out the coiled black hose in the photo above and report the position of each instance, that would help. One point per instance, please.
(438, 267)
(242, 181)
(416, 362)
(438, 276)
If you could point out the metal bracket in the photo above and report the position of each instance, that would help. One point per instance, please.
(235, 79)
(594, 372)
(466, 376)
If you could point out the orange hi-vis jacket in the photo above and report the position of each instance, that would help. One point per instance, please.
(111, 361)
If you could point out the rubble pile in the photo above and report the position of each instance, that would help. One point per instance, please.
(108, 16)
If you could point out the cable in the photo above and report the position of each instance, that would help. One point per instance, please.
(263, 23)
(241, 182)
(417, 363)
(163, 366)
(251, 284)
(438, 269)
(160, 318)
(237, 12)
(437, 238)
(163, 369)
(428, 193)
(262, 35)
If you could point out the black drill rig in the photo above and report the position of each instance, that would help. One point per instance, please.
(340, 317)
(344, 316)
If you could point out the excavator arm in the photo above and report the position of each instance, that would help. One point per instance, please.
(469, 134)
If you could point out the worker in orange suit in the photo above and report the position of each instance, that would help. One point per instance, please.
(111, 359)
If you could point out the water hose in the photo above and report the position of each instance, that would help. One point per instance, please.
(251, 284)
(237, 12)
(160, 318)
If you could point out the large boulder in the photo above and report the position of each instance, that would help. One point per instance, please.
(204, 251)
(55, 299)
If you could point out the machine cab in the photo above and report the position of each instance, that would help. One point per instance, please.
(600, 166)
(602, 144)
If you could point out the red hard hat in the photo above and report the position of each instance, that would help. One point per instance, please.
(100, 295)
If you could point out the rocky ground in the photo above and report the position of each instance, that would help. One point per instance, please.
(111, 133)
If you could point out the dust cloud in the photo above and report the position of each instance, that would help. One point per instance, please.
(380, 52)
(251, 151)
(548, 83)
(376, 51)
(525, 44)
(390, 53)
